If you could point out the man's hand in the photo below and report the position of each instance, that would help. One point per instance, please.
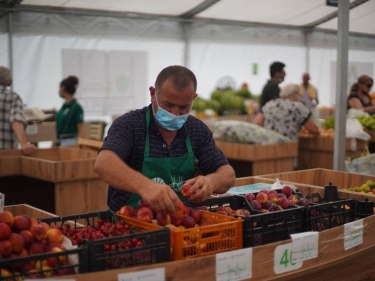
(161, 198)
(201, 188)
(28, 148)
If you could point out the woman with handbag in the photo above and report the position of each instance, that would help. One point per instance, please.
(69, 119)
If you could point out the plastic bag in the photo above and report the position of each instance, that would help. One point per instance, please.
(354, 129)
(362, 165)
(355, 113)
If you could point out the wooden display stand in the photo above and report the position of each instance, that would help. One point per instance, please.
(317, 152)
(333, 261)
(252, 160)
(60, 180)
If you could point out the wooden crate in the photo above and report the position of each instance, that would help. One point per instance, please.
(24, 209)
(60, 164)
(317, 152)
(251, 160)
(60, 179)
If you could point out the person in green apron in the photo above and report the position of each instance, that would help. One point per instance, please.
(150, 153)
(69, 119)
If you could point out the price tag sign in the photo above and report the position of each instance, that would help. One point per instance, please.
(283, 259)
(234, 265)
(353, 234)
(305, 246)
(157, 274)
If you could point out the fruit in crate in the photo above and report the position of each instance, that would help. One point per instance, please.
(185, 191)
(287, 190)
(368, 187)
(7, 218)
(261, 197)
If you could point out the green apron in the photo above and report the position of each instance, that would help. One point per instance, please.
(173, 171)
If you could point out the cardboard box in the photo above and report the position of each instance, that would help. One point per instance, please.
(45, 131)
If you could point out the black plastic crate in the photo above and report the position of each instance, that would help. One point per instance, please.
(139, 247)
(68, 262)
(322, 215)
(364, 209)
(261, 228)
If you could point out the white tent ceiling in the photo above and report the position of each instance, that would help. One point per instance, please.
(301, 14)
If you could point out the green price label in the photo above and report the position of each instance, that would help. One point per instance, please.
(283, 261)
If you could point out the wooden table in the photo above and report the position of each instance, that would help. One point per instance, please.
(60, 180)
(317, 152)
(252, 160)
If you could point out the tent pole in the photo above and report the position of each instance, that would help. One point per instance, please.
(339, 151)
(307, 49)
(10, 45)
(186, 39)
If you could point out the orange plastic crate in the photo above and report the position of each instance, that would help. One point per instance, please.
(223, 234)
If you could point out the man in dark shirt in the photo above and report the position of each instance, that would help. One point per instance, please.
(271, 90)
(152, 152)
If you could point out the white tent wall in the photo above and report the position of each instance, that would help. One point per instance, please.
(4, 59)
(212, 51)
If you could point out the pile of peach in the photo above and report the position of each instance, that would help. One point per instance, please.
(22, 236)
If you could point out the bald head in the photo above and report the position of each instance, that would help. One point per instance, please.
(305, 78)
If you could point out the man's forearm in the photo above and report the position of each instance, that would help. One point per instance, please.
(19, 130)
(117, 174)
(224, 178)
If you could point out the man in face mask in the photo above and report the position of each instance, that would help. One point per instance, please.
(271, 90)
(150, 153)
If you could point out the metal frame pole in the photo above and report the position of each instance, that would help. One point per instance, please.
(339, 151)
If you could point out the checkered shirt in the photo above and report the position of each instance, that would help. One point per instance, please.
(11, 109)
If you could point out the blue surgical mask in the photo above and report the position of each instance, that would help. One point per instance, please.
(168, 120)
(61, 95)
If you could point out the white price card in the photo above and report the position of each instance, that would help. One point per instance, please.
(283, 259)
(157, 274)
(305, 246)
(353, 234)
(234, 265)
